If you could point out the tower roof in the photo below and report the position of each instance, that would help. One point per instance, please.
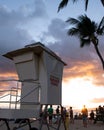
(37, 48)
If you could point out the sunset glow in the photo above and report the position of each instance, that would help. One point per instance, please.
(79, 91)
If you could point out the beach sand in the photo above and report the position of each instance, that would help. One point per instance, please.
(78, 125)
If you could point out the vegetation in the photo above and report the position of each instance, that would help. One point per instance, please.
(64, 3)
(87, 31)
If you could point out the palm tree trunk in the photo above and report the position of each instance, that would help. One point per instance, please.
(97, 50)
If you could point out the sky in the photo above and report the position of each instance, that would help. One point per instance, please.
(29, 21)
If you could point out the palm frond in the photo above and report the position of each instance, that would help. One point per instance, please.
(84, 42)
(86, 4)
(100, 29)
(73, 31)
(83, 18)
(62, 4)
(72, 21)
(86, 26)
(102, 1)
(101, 23)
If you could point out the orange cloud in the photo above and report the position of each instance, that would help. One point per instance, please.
(84, 70)
(97, 100)
(8, 75)
(5, 81)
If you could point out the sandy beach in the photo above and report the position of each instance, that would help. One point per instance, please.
(76, 126)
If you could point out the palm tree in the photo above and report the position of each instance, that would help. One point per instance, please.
(87, 31)
(64, 3)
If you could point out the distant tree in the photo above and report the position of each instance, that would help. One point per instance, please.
(87, 31)
(64, 3)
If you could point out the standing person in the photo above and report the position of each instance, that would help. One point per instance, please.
(67, 121)
(63, 113)
(92, 116)
(57, 110)
(50, 112)
(57, 114)
(84, 115)
(71, 115)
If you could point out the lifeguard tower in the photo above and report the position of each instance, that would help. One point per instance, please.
(40, 72)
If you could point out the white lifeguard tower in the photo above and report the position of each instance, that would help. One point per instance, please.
(40, 70)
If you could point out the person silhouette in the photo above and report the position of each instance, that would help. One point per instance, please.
(84, 115)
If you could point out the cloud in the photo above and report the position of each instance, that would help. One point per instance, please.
(39, 9)
(98, 100)
(13, 31)
(68, 47)
(13, 34)
(81, 62)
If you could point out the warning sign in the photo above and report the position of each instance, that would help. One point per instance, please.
(54, 80)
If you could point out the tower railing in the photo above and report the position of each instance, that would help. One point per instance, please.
(11, 98)
(11, 94)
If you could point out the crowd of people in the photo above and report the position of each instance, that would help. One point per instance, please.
(54, 114)
(100, 110)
